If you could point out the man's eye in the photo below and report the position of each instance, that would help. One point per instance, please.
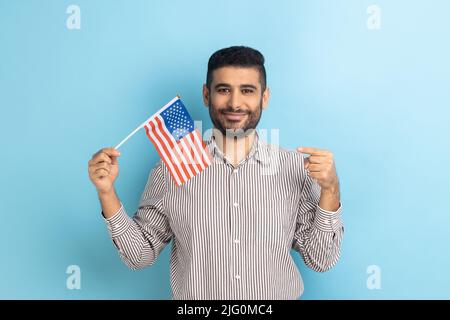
(247, 91)
(223, 90)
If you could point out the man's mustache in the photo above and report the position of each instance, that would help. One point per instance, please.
(230, 110)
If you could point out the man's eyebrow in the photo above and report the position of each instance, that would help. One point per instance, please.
(242, 86)
(247, 86)
(221, 85)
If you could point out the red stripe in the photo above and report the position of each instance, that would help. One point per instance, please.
(195, 150)
(172, 146)
(164, 143)
(173, 174)
(199, 166)
(186, 152)
(191, 152)
(204, 152)
(177, 172)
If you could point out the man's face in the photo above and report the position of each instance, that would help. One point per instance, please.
(235, 99)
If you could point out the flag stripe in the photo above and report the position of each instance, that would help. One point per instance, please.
(188, 152)
(174, 146)
(205, 153)
(202, 146)
(178, 143)
(195, 150)
(162, 139)
(172, 157)
(162, 153)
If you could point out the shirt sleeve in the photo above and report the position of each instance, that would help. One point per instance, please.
(319, 232)
(140, 239)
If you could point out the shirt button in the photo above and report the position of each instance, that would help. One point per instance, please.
(236, 241)
(236, 204)
(237, 276)
(334, 220)
(235, 171)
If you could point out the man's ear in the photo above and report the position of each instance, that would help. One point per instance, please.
(265, 98)
(206, 95)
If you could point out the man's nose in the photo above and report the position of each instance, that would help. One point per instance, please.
(235, 101)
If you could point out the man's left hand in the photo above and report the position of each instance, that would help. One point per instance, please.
(320, 166)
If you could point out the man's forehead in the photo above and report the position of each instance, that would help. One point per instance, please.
(236, 75)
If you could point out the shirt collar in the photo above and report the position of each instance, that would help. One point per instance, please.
(257, 151)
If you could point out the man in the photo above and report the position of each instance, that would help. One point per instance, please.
(233, 225)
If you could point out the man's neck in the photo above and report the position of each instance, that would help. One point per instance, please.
(235, 149)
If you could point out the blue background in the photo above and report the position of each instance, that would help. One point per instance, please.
(379, 99)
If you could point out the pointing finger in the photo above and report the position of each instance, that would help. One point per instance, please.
(313, 151)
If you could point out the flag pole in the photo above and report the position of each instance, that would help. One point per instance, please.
(129, 136)
(143, 124)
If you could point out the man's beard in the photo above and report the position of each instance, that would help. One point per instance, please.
(225, 127)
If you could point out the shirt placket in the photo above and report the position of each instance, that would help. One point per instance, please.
(235, 232)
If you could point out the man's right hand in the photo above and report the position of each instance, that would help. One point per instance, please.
(103, 169)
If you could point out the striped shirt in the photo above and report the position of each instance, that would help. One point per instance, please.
(233, 228)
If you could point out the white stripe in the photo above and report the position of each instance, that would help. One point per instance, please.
(177, 148)
(173, 158)
(163, 152)
(196, 151)
(201, 150)
(200, 145)
(187, 150)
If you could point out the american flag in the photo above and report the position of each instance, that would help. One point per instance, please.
(179, 145)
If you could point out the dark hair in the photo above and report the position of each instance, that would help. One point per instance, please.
(237, 56)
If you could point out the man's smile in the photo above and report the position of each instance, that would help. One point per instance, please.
(234, 116)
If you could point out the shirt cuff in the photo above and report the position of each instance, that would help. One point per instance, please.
(328, 221)
(119, 223)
